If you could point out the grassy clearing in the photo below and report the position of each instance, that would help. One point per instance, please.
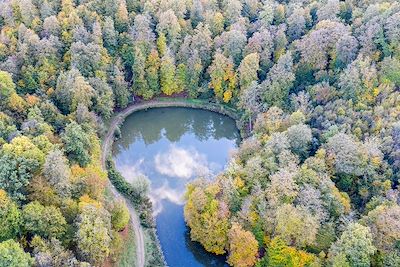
(128, 254)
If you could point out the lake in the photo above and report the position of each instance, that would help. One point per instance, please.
(171, 147)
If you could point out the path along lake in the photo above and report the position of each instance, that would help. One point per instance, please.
(171, 147)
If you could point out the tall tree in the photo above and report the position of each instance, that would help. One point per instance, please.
(248, 70)
(280, 81)
(10, 217)
(167, 75)
(223, 77)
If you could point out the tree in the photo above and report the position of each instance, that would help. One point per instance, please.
(12, 255)
(296, 24)
(208, 224)
(120, 88)
(281, 255)
(295, 226)
(93, 235)
(142, 33)
(169, 25)
(347, 155)
(77, 143)
(152, 68)
(23, 147)
(243, 247)
(15, 175)
(319, 44)
(232, 44)
(250, 100)
(7, 86)
(385, 226)
(52, 253)
(223, 78)
(120, 216)
(10, 217)
(72, 89)
(139, 83)
(103, 98)
(390, 69)
(232, 10)
(355, 244)
(248, 70)
(57, 172)
(122, 16)
(280, 80)
(329, 10)
(87, 58)
(194, 69)
(359, 80)
(300, 138)
(45, 221)
(109, 36)
(167, 75)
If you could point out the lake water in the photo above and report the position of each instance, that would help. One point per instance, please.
(173, 146)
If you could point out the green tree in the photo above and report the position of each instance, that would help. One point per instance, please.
(93, 235)
(180, 78)
(139, 84)
(167, 75)
(10, 217)
(355, 244)
(295, 226)
(280, 81)
(15, 175)
(7, 86)
(45, 221)
(120, 88)
(120, 216)
(12, 255)
(248, 70)
(77, 143)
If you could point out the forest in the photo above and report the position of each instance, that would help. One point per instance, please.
(315, 82)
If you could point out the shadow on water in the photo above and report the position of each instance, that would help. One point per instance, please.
(173, 146)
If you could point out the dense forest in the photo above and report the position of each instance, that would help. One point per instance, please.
(316, 83)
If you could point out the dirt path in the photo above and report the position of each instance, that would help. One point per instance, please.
(106, 149)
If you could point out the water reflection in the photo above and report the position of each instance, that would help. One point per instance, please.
(172, 146)
(181, 163)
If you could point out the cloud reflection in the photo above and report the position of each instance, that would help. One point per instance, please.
(181, 163)
(131, 172)
(166, 192)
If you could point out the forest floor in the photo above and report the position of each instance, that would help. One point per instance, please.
(108, 139)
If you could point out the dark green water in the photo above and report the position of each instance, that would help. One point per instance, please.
(172, 146)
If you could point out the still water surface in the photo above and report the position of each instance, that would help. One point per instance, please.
(173, 146)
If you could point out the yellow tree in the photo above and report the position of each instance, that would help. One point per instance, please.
(223, 77)
(207, 219)
(243, 247)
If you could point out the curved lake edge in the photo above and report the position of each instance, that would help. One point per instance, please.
(107, 143)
